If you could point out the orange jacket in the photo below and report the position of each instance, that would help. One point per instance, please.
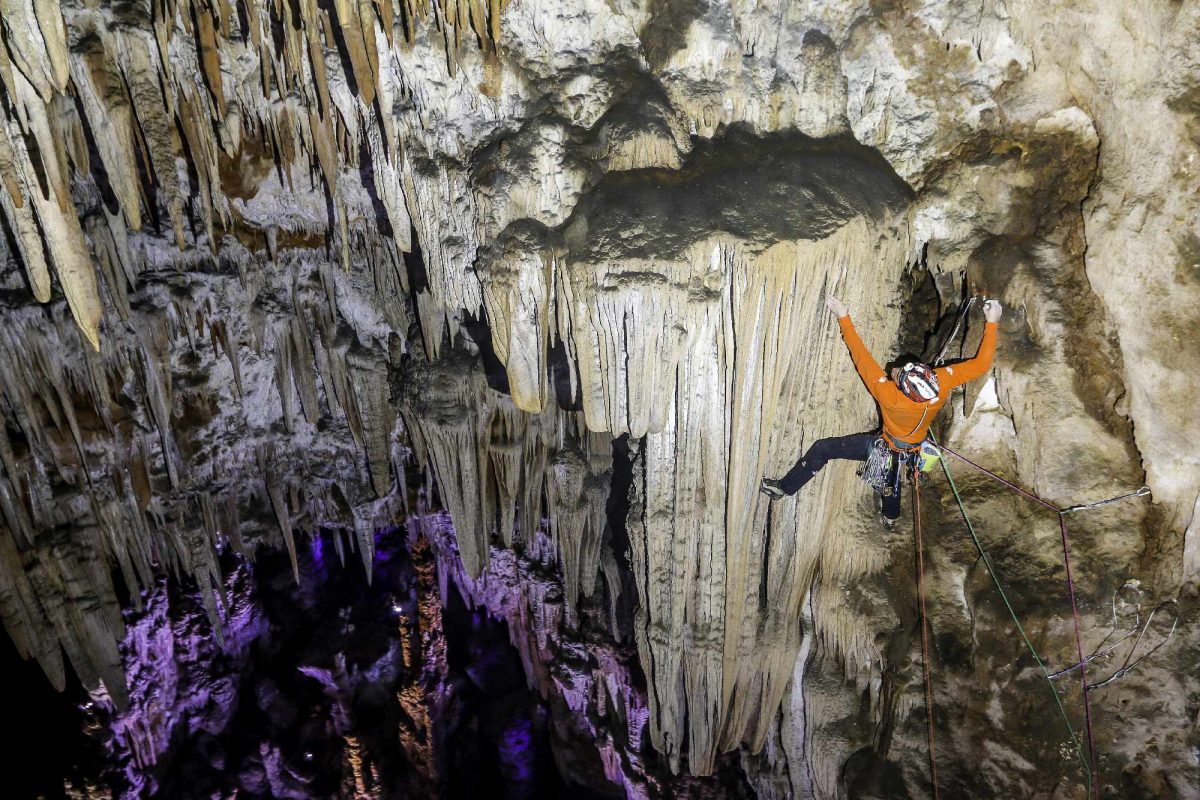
(906, 422)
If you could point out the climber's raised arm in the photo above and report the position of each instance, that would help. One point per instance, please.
(978, 366)
(868, 369)
(908, 402)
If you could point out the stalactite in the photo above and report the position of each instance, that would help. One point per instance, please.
(303, 369)
(284, 380)
(140, 497)
(21, 219)
(371, 391)
(37, 42)
(138, 62)
(442, 413)
(106, 106)
(577, 485)
(493, 464)
(132, 99)
(450, 289)
(24, 619)
(68, 252)
(720, 658)
(279, 503)
(517, 297)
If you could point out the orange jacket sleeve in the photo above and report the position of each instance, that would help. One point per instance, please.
(972, 368)
(868, 369)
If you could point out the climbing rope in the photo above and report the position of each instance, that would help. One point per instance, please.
(1062, 527)
(1101, 650)
(916, 478)
(1087, 704)
(1089, 765)
(962, 317)
(987, 562)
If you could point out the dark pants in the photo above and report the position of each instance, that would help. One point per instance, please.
(854, 447)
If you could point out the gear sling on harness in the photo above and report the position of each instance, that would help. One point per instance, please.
(887, 456)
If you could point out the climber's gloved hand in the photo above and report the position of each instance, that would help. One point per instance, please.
(992, 310)
(838, 307)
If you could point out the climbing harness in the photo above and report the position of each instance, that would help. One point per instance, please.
(888, 453)
(886, 459)
(885, 463)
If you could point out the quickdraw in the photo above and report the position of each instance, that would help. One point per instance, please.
(962, 317)
(876, 470)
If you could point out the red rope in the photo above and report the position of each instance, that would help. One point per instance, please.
(1009, 484)
(924, 629)
(1062, 527)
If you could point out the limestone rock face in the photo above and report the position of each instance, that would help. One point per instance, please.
(270, 268)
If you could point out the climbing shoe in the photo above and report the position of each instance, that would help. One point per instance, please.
(887, 522)
(772, 489)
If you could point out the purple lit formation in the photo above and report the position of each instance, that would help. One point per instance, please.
(423, 682)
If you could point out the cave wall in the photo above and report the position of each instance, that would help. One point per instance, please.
(270, 267)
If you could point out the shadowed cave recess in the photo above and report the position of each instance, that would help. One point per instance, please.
(386, 387)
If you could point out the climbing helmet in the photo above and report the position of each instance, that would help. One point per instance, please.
(918, 382)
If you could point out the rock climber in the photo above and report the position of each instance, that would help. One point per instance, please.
(908, 403)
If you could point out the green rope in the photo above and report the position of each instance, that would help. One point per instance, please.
(987, 562)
